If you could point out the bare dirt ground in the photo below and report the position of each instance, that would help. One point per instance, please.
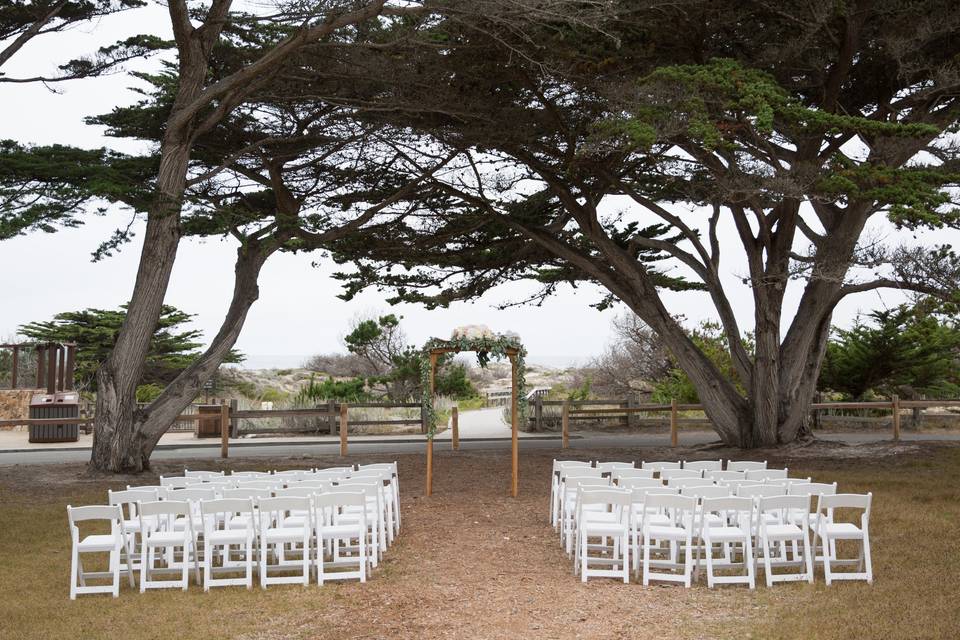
(470, 562)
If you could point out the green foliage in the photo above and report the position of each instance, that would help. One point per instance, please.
(43, 188)
(340, 390)
(95, 331)
(149, 392)
(905, 350)
(273, 395)
(709, 338)
(452, 382)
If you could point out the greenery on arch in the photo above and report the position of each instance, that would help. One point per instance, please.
(497, 347)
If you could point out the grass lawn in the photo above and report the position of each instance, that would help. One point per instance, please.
(473, 563)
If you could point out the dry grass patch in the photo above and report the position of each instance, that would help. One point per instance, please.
(473, 563)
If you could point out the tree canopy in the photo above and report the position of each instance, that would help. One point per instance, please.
(172, 348)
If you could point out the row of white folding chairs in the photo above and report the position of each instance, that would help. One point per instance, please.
(387, 498)
(566, 519)
(621, 470)
(692, 524)
(315, 527)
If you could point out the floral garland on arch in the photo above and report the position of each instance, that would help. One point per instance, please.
(488, 345)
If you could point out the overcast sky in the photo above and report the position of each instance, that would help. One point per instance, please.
(298, 313)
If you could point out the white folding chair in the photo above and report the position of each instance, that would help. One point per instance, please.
(603, 513)
(774, 527)
(558, 467)
(765, 474)
(561, 497)
(395, 485)
(278, 532)
(680, 483)
(660, 466)
(217, 533)
(727, 521)
(250, 475)
(174, 482)
(375, 514)
(745, 465)
(724, 476)
(568, 516)
(204, 475)
(669, 474)
(389, 496)
(111, 543)
(608, 467)
(334, 530)
(341, 470)
(703, 465)
(639, 489)
(829, 531)
(629, 474)
(678, 532)
(127, 501)
(156, 523)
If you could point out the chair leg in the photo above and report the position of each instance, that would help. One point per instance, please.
(709, 559)
(74, 558)
(807, 557)
(766, 560)
(646, 559)
(248, 560)
(827, 572)
(625, 561)
(115, 570)
(748, 560)
(866, 557)
(306, 561)
(584, 561)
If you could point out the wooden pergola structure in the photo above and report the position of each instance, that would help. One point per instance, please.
(513, 353)
(55, 364)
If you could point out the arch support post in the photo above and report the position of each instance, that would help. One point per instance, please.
(514, 436)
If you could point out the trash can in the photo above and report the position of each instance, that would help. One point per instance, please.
(65, 404)
(208, 427)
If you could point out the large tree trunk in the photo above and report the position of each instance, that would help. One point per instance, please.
(160, 415)
(115, 440)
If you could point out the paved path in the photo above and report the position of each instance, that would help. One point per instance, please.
(481, 423)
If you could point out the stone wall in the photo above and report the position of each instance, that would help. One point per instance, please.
(15, 403)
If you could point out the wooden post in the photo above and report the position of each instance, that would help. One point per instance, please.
(41, 367)
(895, 402)
(332, 417)
(71, 366)
(433, 373)
(631, 416)
(61, 368)
(514, 435)
(343, 428)
(16, 363)
(673, 422)
(538, 412)
(429, 490)
(565, 425)
(455, 428)
(234, 423)
(224, 429)
(52, 369)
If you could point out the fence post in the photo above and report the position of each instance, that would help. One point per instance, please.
(234, 423)
(816, 412)
(538, 413)
(343, 428)
(631, 416)
(224, 429)
(429, 490)
(895, 402)
(455, 427)
(673, 422)
(565, 425)
(332, 416)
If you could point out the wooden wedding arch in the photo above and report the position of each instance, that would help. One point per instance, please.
(487, 346)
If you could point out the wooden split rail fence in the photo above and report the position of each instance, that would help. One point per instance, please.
(573, 410)
(337, 417)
